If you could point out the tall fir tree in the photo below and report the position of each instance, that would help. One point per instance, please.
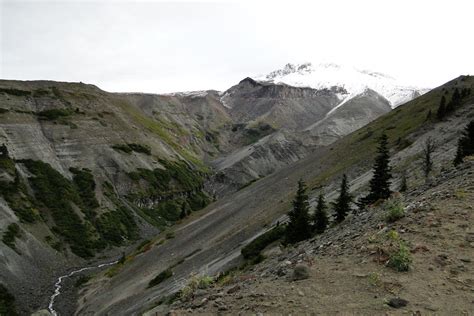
(454, 102)
(428, 150)
(403, 183)
(184, 212)
(342, 206)
(299, 227)
(459, 154)
(380, 182)
(442, 108)
(320, 217)
(465, 144)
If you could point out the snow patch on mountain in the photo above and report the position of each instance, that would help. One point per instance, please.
(353, 80)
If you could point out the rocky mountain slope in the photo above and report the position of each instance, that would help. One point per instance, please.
(209, 241)
(343, 271)
(87, 173)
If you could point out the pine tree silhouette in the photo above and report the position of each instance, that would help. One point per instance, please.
(342, 204)
(465, 144)
(320, 217)
(299, 227)
(442, 108)
(403, 184)
(380, 182)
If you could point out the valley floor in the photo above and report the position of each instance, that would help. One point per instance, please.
(346, 265)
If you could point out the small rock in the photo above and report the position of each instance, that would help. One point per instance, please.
(300, 293)
(300, 272)
(466, 260)
(223, 308)
(199, 292)
(233, 289)
(397, 302)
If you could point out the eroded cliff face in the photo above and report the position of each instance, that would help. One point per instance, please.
(88, 172)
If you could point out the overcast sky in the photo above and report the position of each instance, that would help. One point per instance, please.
(155, 46)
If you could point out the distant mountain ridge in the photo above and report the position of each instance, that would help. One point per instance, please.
(354, 81)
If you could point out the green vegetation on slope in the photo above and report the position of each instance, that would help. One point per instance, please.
(9, 236)
(175, 187)
(64, 200)
(85, 186)
(57, 194)
(162, 276)
(130, 147)
(168, 132)
(54, 114)
(18, 199)
(7, 302)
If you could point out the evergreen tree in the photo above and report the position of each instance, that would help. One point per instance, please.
(184, 212)
(403, 184)
(459, 154)
(380, 182)
(427, 160)
(342, 205)
(456, 97)
(299, 227)
(465, 144)
(455, 101)
(320, 217)
(442, 108)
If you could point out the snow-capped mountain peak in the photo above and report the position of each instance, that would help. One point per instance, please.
(353, 80)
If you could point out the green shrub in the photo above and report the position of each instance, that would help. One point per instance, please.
(197, 281)
(85, 185)
(128, 148)
(394, 209)
(54, 114)
(13, 232)
(401, 259)
(144, 149)
(253, 249)
(7, 302)
(7, 164)
(169, 235)
(40, 92)
(116, 226)
(166, 274)
(17, 198)
(124, 148)
(16, 92)
(83, 279)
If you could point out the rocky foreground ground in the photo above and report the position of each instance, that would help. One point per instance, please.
(344, 271)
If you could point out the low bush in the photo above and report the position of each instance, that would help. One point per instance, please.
(85, 185)
(83, 279)
(18, 200)
(401, 259)
(197, 281)
(16, 92)
(166, 274)
(129, 148)
(394, 209)
(54, 114)
(253, 249)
